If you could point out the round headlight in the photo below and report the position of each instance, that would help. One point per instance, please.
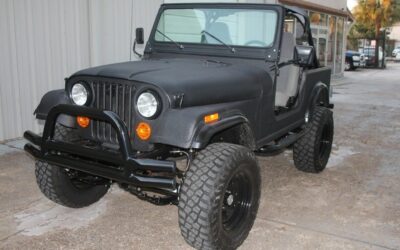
(79, 94)
(147, 104)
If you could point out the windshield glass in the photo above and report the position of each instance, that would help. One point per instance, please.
(228, 27)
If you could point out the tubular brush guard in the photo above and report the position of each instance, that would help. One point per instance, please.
(123, 167)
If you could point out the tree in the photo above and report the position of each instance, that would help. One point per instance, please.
(373, 15)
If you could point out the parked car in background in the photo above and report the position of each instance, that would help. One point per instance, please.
(396, 51)
(397, 58)
(369, 53)
(353, 60)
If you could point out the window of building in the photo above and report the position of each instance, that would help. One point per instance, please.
(294, 26)
(330, 60)
(339, 45)
(318, 19)
(319, 29)
(289, 24)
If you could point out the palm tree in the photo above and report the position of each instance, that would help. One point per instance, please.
(373, 15)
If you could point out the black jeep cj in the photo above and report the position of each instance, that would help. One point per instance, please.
(217, 85)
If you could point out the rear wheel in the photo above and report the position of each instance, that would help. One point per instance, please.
(219, 197)
(311, 152)
(68, 187)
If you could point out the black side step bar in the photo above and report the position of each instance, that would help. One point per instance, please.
(283, 143)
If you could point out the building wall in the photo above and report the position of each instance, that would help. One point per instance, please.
(219, 1)
(41, 42)
(112, 28)
(335, 4)
(44, 41)
(395, 34)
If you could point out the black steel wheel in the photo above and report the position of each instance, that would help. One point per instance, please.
(219, 197)
(69, 187)
(325, 143)
(237, 201)
(311, 152)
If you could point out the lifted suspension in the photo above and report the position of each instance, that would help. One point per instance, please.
(162, 198)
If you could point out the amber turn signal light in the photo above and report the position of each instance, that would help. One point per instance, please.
(83, 121)
(211, 118)
(143, 131)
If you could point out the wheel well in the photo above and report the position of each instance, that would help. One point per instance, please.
(321, 96)
(240, 134)
(323, 99)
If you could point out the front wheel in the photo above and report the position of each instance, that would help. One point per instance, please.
(68, 187)
(219, 197)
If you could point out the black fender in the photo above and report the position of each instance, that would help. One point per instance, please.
(206, 131)
(319, 97)
(50, 100)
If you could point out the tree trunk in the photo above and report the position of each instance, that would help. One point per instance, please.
(377, 38)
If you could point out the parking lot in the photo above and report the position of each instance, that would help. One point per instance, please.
(354, 204)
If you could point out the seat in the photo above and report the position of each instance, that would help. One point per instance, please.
(288, 80)
(221, 31)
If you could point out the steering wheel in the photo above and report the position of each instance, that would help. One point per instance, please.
(256, 42)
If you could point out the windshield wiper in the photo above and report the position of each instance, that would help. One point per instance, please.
(219, 40)
(180, 46)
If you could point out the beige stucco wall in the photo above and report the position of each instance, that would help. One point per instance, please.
(395, 33)
(336, 4)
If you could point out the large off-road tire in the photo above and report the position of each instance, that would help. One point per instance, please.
(219, 197)
(66, 187)
(311, 152)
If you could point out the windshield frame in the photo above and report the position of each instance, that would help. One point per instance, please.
(270, 52)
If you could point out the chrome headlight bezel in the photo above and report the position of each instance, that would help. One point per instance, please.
(154, 102)
(85, 89)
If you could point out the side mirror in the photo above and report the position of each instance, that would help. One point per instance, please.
(304, 55)
(139, 36)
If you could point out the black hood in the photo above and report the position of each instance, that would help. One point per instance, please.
(201, 81)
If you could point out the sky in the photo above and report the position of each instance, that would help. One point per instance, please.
(351, 4)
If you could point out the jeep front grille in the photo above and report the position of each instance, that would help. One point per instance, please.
(116, 97)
